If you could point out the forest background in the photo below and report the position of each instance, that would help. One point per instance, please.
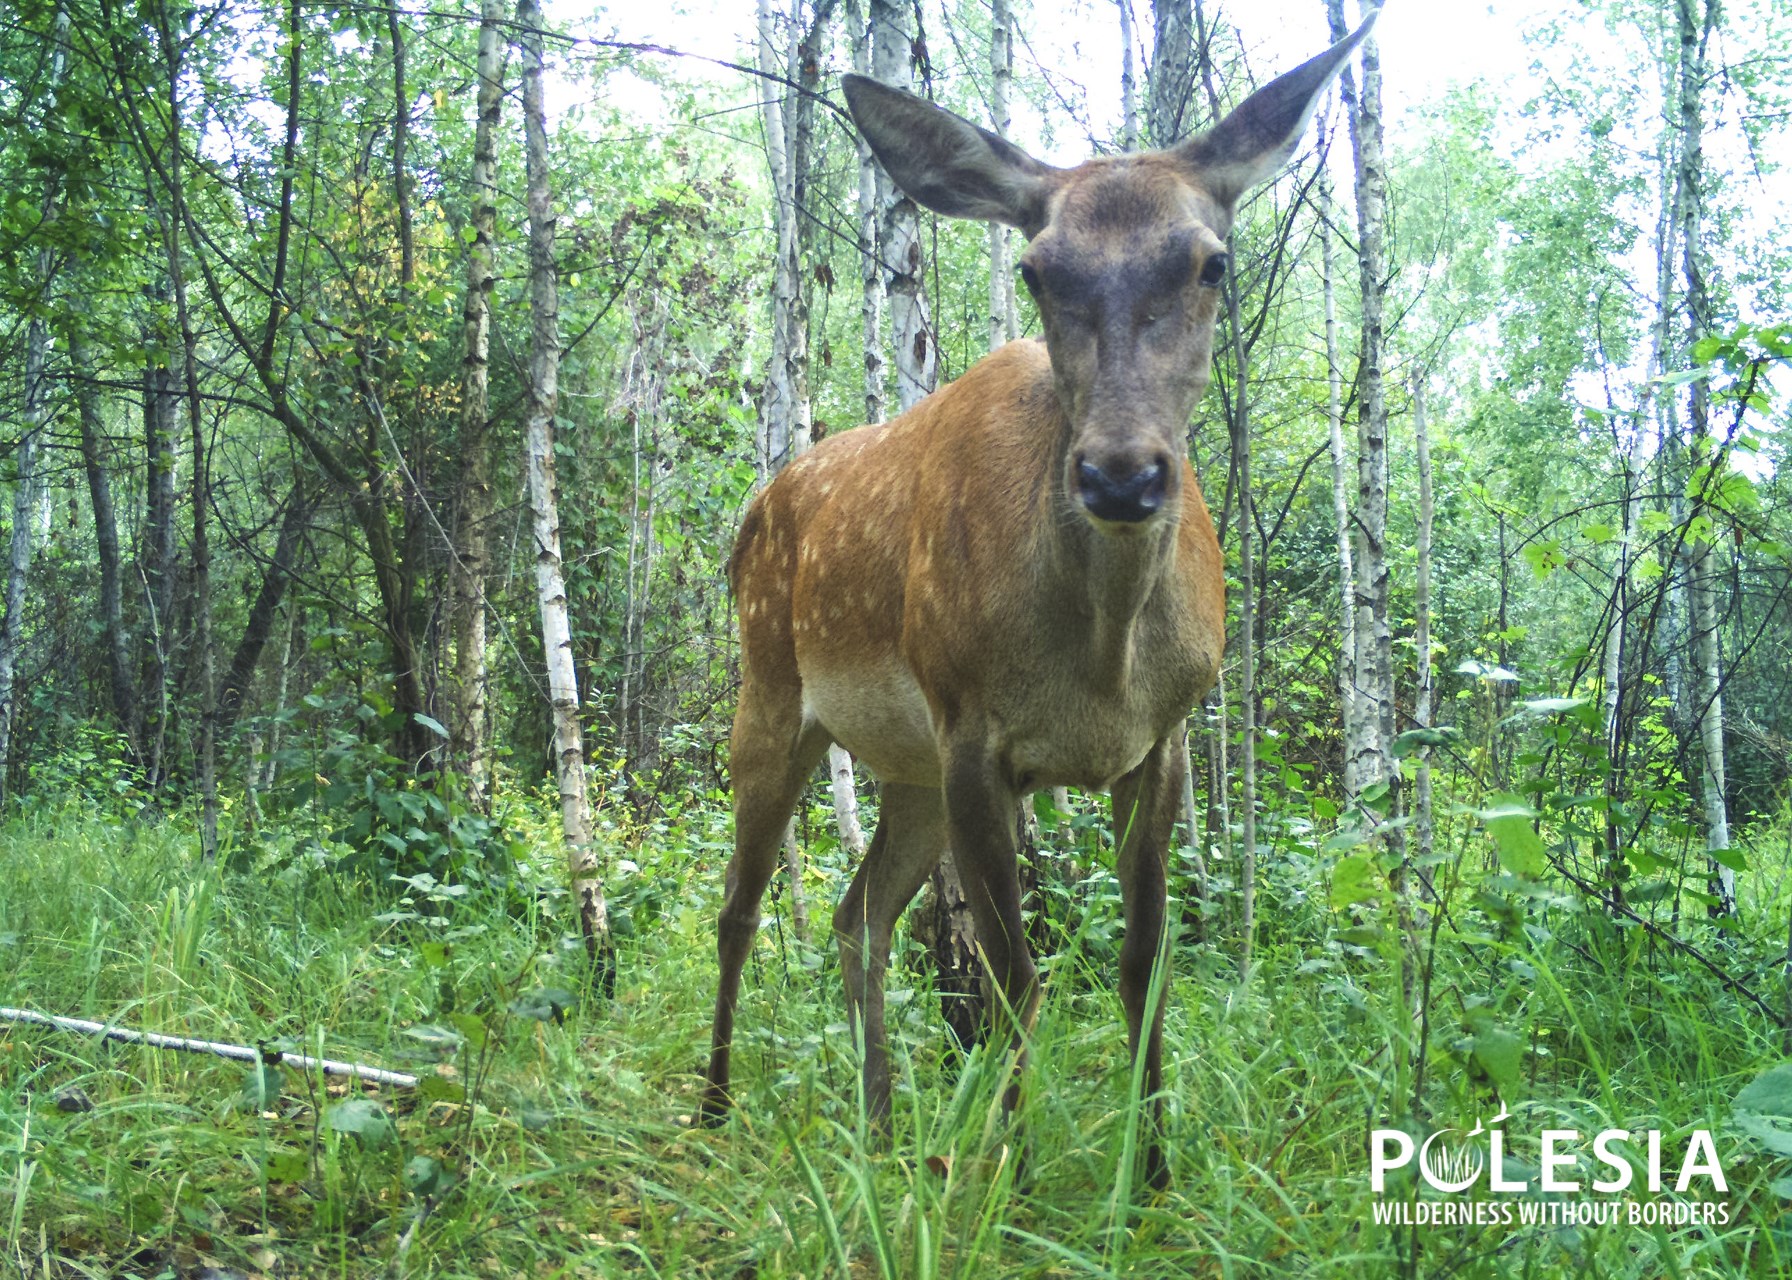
(381, 389)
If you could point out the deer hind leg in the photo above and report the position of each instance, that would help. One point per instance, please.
(980, 805)
(773, 754)
(911, 833)
(1145, 806)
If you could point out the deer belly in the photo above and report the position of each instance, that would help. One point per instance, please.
(1090, 752)
(880, 715)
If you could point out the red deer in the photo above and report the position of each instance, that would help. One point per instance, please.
(1015, 584)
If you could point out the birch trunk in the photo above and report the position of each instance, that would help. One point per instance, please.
(871, 315)
(1703, 571)
(544, 504)
(201, 475)
(160, 400)
(467, 720)
(943, 920)
(1129, 105)
(1170, 86)
(1240, 430)
(911, 332)
(1002, 319)
(1372, 758)
(1357, 730)
(36, 415)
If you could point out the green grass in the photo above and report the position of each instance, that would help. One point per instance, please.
(572, 1150)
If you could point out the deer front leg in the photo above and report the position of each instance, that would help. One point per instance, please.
(1145, 803)
(980, 801)
(911, 832)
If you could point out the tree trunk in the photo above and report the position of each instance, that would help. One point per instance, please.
(1129, 106)
(1703, 571)
(911, 331)
(544, 503)
(1372, 762)
(1170, 82)
(276, 577)
(160, 400)
(206, 748)
(1358, 744)
(1426, 690)
(467, 720)
(105, 533)
(1240, 432)
(943, 918)
(36, 415)
(1002, 319)
(871, 315)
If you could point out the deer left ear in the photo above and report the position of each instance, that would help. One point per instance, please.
(1252, 144)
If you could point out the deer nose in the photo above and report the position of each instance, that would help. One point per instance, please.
(1119, 495)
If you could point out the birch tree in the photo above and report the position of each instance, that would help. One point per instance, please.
(1695, 24)
(1350, 709)
(1370, 761)
(1004, 321)
(36, 416)
(467, 693)
(544, 509)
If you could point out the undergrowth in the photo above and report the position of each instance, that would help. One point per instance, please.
(551, 1133)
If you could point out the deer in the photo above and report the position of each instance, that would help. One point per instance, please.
(1015, 584)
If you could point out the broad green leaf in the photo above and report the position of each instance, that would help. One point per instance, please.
(1508, 820)
(1501, 1055)
(365, 1119)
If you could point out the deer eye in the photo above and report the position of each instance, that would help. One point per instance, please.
(1213, 271)
(1030, 278)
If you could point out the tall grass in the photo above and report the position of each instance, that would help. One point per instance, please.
(569, 1145)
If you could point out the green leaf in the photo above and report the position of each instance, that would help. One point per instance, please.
(544, 1004)
(1552, 706)
(365, 1119)
(1731, 858)
(1598, 534)
(261, 1087)
(442, 1039)
(1414, 740)
(1764, 1109)
(470, 1025)
(287, 1166)
(1500, 1054)
(1508, 820)
(424, 1176)
(429, 722)
(1354, 880)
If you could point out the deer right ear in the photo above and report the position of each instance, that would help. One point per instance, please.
(947, 163)
(1260, 136)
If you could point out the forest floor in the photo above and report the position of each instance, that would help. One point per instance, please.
(541, 1147)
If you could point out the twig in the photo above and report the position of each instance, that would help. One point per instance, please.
(240, 1052)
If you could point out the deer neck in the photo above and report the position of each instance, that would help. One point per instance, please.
(1100, 587)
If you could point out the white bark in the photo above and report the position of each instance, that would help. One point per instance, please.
(544, 506)
(871, 275)
(1356, 728)
(467, 718)
(1129, 103)
(1002, 320)
(36, 415)
(1372, 760)
(911, 331)
(1247, 579)
(1703, 570)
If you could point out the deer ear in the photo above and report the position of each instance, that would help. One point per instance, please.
(947, 163)
(1260, 136)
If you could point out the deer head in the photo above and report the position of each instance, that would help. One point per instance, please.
(1126, 262)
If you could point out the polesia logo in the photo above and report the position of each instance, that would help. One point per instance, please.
(1479, 1164)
